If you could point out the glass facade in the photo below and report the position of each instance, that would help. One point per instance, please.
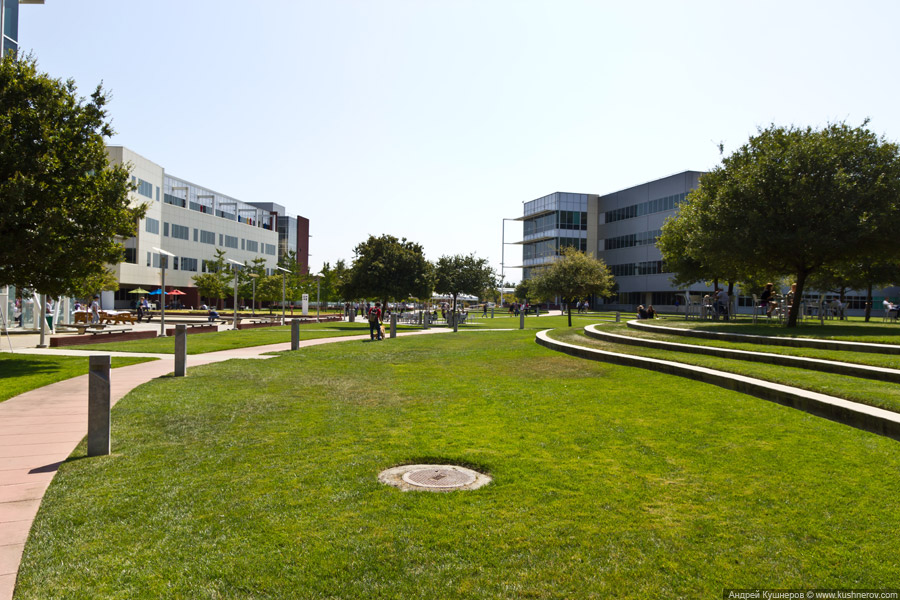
(185, 194)
(556, 221)
(9, 14)
(645, 208)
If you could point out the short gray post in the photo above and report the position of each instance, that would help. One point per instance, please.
(353, 315)
(295, 333)
(393, 325)
(426, 319)
(455, 321)
(492, 312)
(537, 311)
(99, 403)
(618, 317)
(522, 320)
(180, 350)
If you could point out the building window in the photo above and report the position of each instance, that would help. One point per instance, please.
(252, 246)
(208, 237)
(151, 225)
(645, 208)
(145, 188)
(231, 241)
(180, 232)
(188, 264)
(148, 259)
(196, 233)
(270, 249)
(165, 230)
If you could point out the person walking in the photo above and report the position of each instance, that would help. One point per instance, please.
(375, 322)
(95, 310)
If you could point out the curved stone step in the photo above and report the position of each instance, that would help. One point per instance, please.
(771, 340)
(868, 418)
(801, 362)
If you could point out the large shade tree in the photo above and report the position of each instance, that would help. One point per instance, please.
(388, 268)
(572, 276)
(790, 202)
(462, 274)
(63, 208)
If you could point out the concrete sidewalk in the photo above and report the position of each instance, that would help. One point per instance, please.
(40, 429)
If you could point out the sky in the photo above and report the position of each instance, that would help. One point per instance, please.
(435, 120)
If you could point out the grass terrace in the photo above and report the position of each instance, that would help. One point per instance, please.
(257, 479)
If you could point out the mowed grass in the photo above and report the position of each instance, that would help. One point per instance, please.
(866, 391)
(852, 330)
(20, 373)
(257, 479)
(200, 343)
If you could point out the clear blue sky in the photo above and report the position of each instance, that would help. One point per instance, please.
(434, 120)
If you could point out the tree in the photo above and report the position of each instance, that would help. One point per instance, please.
(213, 284)
(524, 290)
(572, 276)
(388, 269)
(790, 202)
(462, 274)
(64, 208)
(246, 284)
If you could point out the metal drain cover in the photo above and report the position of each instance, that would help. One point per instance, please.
(433, 478)
(440, 477)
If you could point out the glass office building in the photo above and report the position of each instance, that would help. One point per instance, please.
(9, 23)
(550, 223)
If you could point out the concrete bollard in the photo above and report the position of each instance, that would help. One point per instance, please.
(492, 312)
(180, 350)
(618, 317)
(522, 320)
(455, 318)
(393, 325)
(99, 404)
(353, 315)
(537, 311)
(426, 320)
(295, 333)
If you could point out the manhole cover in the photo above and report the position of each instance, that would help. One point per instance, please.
(441, 477)
(433, 478)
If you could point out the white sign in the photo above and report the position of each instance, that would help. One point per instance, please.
(305, 304)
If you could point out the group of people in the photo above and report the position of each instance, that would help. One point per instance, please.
(646, 313)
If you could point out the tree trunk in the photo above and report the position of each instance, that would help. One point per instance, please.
(795, 306)
(569, 309)
(868, 302)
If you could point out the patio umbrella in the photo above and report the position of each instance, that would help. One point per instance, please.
(156, 292)
(176, 293)
(139, 290)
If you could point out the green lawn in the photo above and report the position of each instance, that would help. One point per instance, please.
(854, 330)
(20, 373)
(866, 391)
(200, 343)
(257, 479)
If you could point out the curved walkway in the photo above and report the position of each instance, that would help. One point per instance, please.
(40, 428)
(771, 340)
(861, 416)
(785, 360)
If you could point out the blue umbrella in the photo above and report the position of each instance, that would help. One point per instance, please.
(157, 292)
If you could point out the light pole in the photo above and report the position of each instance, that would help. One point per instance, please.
(235, 318)
(318, 295)
(503, 257)
(163, 259)
(283, 288)
(253, 277)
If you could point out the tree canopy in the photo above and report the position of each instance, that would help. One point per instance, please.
(64, 208)
(388, 268)
(788, 203)
(572, 276)
(462, 274)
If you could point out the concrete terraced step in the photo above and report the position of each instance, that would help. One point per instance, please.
(868, 418)
(801, 362)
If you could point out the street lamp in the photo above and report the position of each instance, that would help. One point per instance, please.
(283, 287)
(253, 277)
(503, 257)
(162, 290)
(318, 295)
(235, 319)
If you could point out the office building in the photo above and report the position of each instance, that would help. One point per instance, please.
(191, 222)
(9, 23)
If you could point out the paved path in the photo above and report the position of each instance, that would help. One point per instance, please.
(40, 429)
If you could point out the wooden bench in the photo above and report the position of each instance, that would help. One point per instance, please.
(110, 330)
